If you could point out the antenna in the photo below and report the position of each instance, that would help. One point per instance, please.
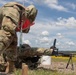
(23, 2)
(21, 35)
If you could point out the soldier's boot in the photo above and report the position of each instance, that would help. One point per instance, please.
(2, 64)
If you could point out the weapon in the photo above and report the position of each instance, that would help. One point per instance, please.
(70, 59)
(66, 54)
(28, 51)
(55, 50)
(31, 55)
(70, 55)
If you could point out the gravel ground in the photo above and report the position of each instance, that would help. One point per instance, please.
(60, 67)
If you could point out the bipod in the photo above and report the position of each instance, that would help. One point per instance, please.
(70, 60)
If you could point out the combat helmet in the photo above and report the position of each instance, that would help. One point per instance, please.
(31, 12)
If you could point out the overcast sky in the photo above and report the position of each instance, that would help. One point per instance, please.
(55, 19)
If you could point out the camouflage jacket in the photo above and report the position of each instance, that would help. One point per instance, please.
(5, 11)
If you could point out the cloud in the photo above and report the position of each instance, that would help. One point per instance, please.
(70, 43)
(53, 4)
(29, 1)
(27, 42)
(70, 22)
(2, 2)
(71, 5)
(44, 40)
(59, 35)
(45, 33)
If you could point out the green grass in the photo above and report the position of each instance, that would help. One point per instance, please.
(49, 72)
(17, 72)
(42, 72)
(62, 59)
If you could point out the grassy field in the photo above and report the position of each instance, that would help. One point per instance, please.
(42, 72)
(63, 59)
(49, 72)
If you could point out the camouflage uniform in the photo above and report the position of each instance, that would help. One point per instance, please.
(31, 55)
(10, 16)
(28, 51)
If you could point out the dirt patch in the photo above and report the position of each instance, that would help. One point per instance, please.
(60, 67)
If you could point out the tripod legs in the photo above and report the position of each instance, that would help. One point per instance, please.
(70, 59)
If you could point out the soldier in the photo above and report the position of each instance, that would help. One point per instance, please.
(13, 17)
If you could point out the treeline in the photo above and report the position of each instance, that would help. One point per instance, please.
(67, 52)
